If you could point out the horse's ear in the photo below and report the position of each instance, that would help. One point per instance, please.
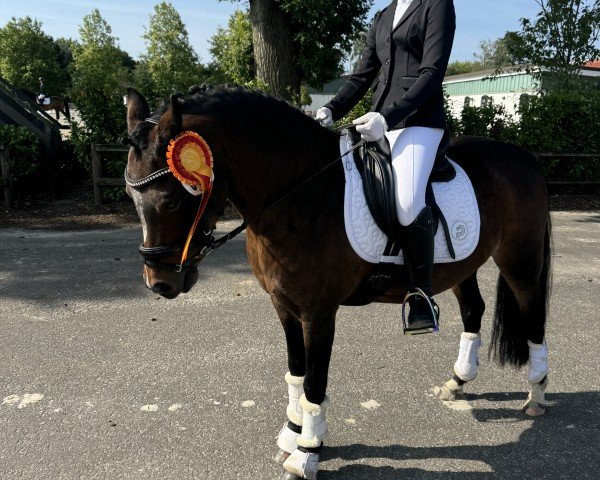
(171, 122)
(137, 108)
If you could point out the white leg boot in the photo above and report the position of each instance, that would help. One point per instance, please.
(287, 440)
(305, 464)
(537, 376)
(467, 363)
(465, 367)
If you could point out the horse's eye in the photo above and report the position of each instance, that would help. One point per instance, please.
(172, 204)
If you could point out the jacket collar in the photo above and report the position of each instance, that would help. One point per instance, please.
(390, 14)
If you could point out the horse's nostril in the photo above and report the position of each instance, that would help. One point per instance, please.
(161, 288)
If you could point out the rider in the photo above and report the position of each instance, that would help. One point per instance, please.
(407, 51)
(42, 92)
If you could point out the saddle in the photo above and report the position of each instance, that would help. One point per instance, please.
(374, 163)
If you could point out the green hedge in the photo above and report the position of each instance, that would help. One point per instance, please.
(23, 149)
(557, 122)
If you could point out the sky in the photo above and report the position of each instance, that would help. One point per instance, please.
(476, 19)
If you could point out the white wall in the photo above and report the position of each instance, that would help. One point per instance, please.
(509, 100)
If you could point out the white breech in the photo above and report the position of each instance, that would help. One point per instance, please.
(413, 155)
(467, 363)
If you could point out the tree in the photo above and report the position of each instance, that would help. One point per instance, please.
(496, 53)
(170, 61)
(562, 38)
(98, 79)
(27, 53)
(232, 49)
(297, 41)
(460, 67)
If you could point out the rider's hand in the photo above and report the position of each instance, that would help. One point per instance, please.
(324, 117)
(371, 126)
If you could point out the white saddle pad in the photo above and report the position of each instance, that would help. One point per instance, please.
(43, 100)
(456, 200)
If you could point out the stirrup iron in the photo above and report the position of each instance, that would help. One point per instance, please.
(435, 311)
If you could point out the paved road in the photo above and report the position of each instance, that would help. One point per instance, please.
(101, 379)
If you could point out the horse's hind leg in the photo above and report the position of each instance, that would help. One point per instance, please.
(520, 318)
(57, 114)
(467, 364)
(287, 440)
(318, 341)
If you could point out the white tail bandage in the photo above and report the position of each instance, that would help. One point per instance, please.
(295, 391)
(538, 362)
(314, 424)
(467, 363)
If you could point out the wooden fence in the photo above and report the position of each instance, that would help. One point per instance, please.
(100, 181)
(7, 181)
(582, 156)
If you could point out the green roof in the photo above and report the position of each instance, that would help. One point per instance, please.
(513, 83)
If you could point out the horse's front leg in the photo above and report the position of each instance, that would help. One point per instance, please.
(287, 441)
(466, 366)
(318, 341)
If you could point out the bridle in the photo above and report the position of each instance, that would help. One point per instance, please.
(152, 256)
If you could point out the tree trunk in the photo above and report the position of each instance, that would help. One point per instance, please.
(273, 51)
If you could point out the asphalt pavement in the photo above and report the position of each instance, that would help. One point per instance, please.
(101, 379)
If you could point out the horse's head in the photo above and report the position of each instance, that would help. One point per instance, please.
(166, 209)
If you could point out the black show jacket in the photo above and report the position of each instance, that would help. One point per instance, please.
(409, 63)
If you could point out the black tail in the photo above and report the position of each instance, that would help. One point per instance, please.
(67, 111)
(509, 334)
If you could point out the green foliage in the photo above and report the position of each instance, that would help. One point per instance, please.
(562, 38)
(231, 49)
(27, 53)
(496, 53)
(23, 150)
(323, 30)
(98, 78)
(170, 64)
(558, 122)
(460, 67)
(359, 110)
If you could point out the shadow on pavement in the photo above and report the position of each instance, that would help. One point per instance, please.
(561, 445)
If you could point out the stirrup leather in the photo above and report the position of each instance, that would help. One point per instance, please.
(435, 311)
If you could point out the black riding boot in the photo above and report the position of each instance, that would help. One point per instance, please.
(417, 239)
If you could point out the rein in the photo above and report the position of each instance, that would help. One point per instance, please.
(151, 255)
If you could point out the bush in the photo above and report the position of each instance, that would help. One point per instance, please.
(557, 122)
(23, 149)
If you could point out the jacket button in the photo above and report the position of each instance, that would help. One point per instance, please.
(387, 62)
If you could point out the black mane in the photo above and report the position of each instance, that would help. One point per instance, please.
(255, 107)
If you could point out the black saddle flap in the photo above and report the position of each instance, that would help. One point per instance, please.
(372, 160)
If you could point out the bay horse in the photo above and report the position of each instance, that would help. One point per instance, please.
(58, 104)
(298, 248)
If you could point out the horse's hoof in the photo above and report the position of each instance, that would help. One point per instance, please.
(289, 476)
(534, 409)
(446, 394)
(281, 456)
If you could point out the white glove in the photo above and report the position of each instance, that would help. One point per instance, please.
(371, 126)
(324, 117)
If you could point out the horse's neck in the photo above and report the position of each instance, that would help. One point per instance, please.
(260, 178)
